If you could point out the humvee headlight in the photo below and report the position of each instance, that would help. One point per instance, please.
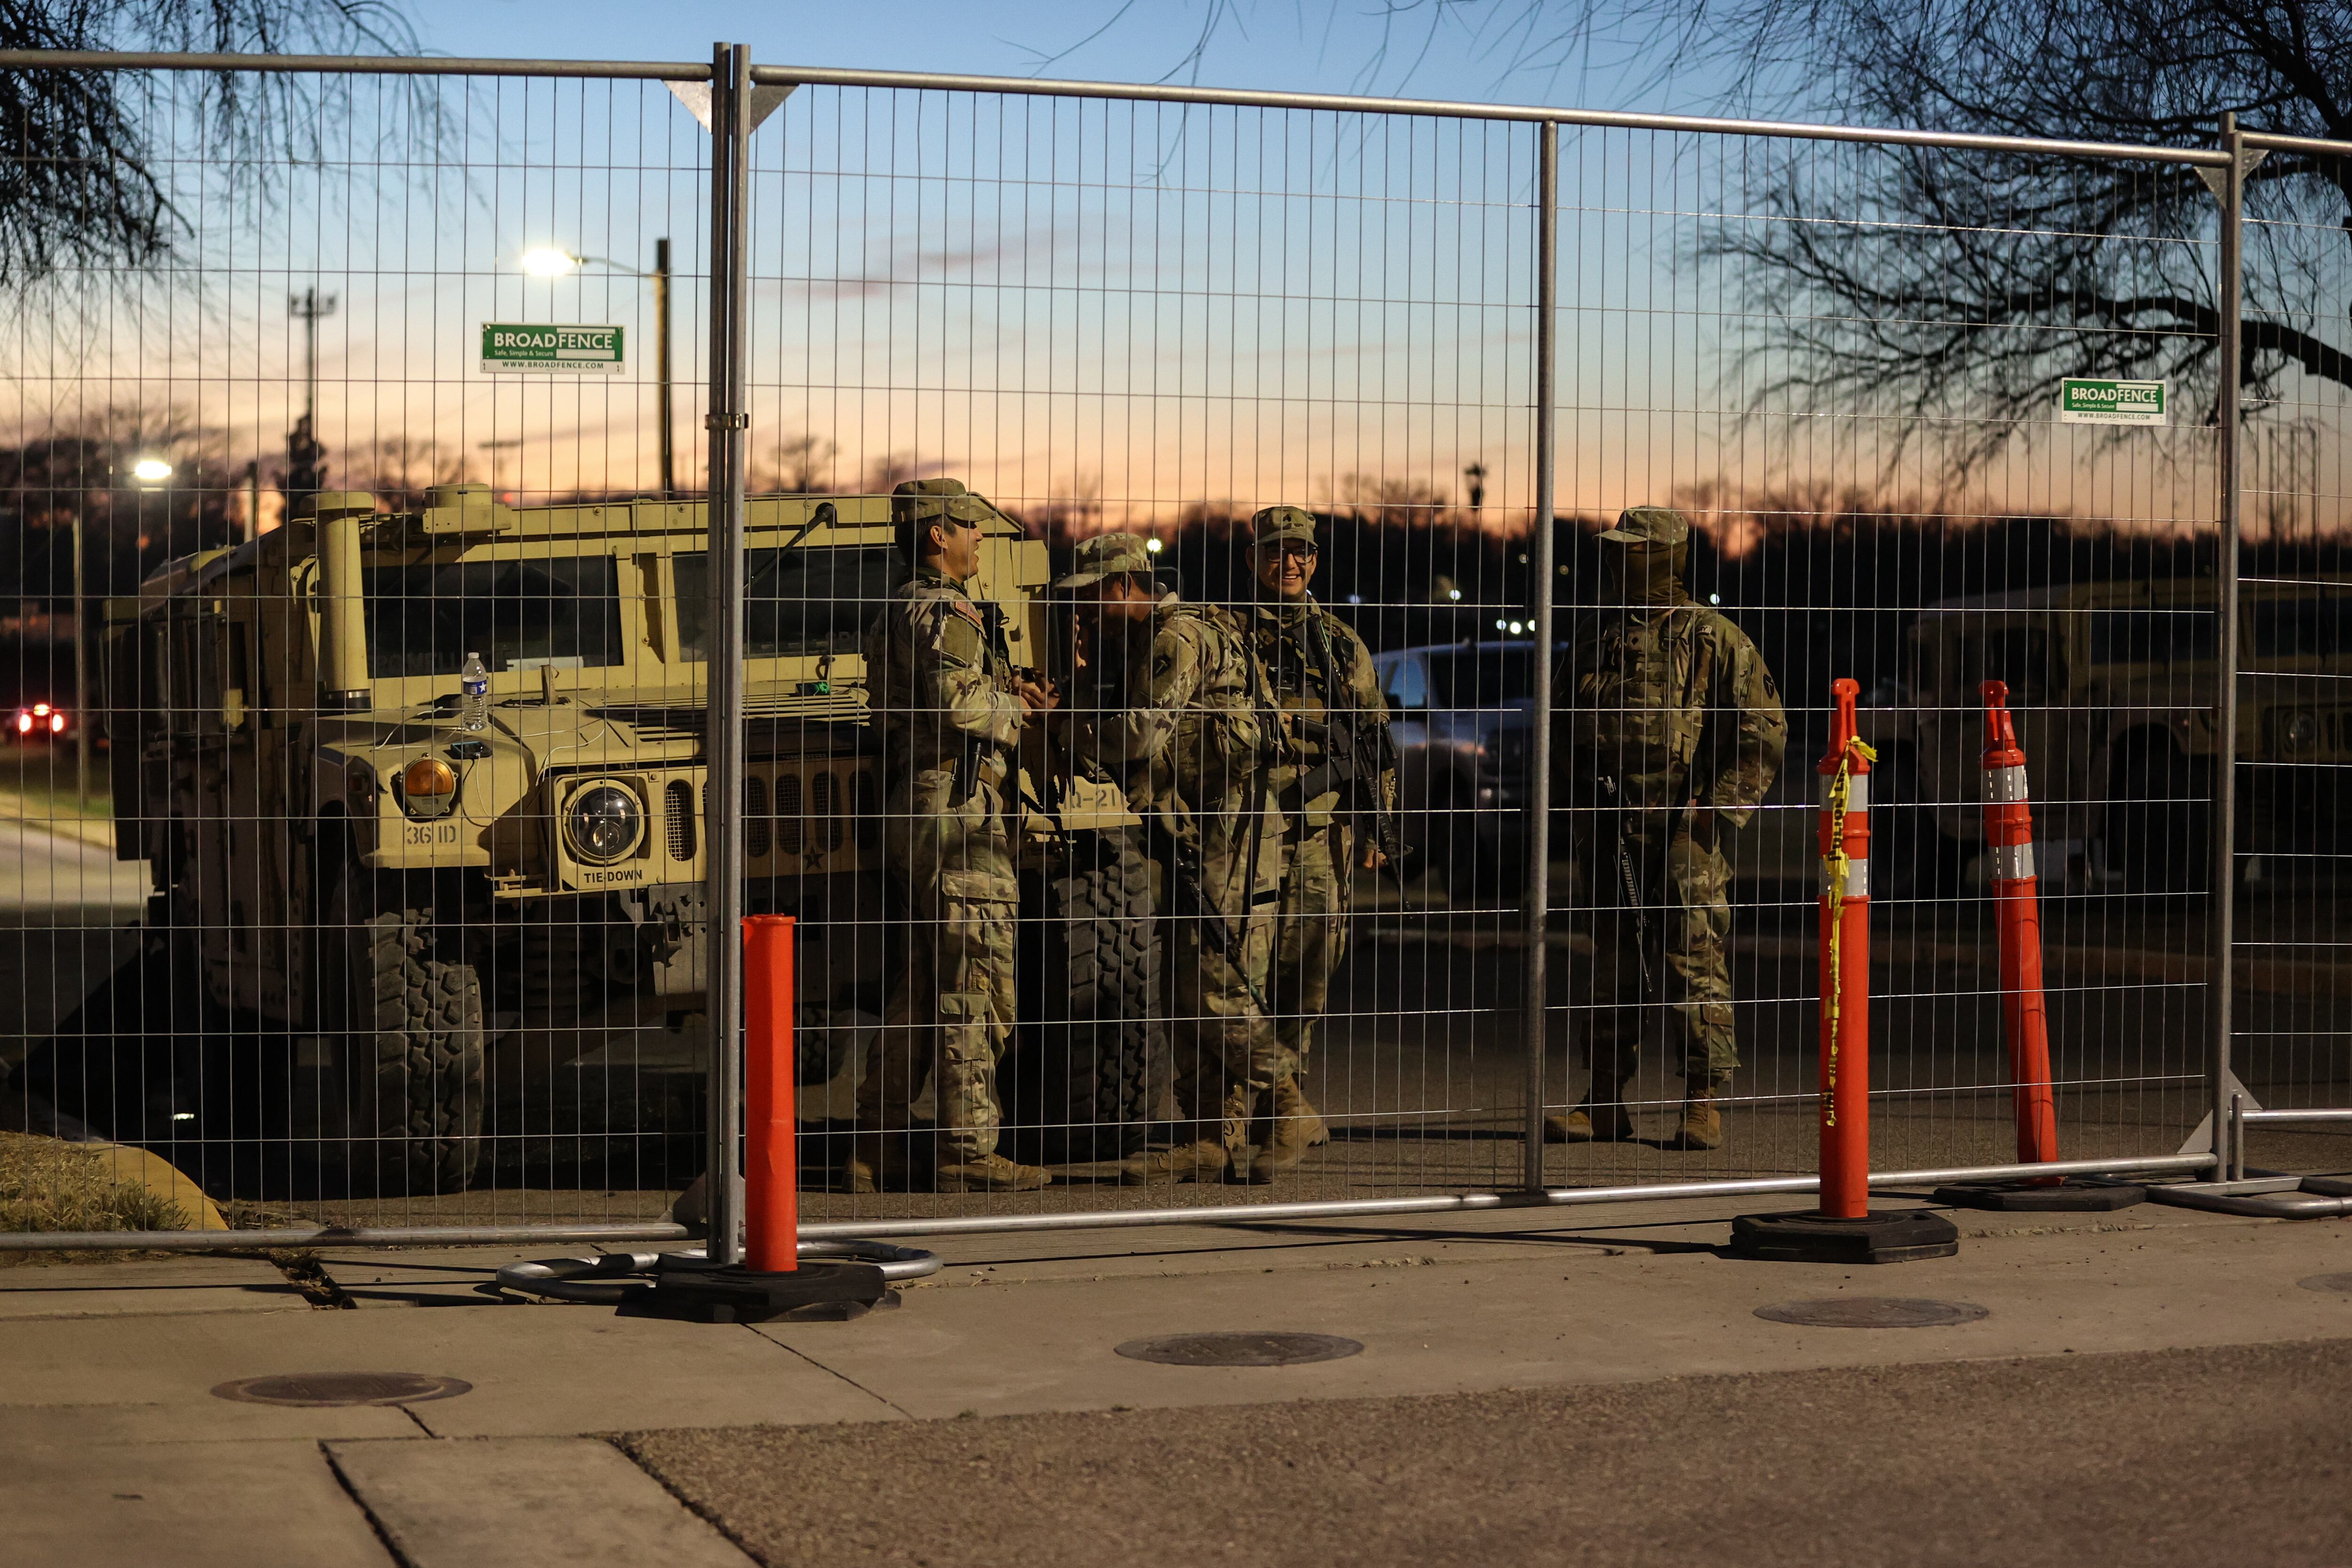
(429, 775)
(2298, 729)
(429, 787)
(604, 822)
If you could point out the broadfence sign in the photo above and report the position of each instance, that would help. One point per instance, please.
(511, 348)
(2082, 401)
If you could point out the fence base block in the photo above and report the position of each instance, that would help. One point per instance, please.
(2065, 1195)
(815, 1290)
(1899, 1236)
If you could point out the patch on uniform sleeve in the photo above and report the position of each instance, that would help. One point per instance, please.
(959, 637)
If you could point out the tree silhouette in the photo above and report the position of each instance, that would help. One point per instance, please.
(88, 158)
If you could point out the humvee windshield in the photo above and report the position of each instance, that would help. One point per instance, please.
(796, 603)
(558, 610)
(2304, 628)
(2152, 636)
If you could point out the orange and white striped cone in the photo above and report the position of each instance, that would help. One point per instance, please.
(1843, 1230)
(2024, 1011)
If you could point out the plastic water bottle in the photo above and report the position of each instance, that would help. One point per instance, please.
(474, 693)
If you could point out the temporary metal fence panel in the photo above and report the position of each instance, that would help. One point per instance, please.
(2287, 1045)
(357, 961)
(352, 399)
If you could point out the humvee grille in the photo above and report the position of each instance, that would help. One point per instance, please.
(789, 837)
(825, 805)
(755, 815)
(678, 817)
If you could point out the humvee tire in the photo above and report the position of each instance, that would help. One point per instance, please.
(1077, 1082)
(403, 1022)
(130, 1062)
(2159, 827)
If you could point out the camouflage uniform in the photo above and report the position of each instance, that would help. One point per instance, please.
(1188, 743)
(1318, 668)
(1662, 708)
(936, 681)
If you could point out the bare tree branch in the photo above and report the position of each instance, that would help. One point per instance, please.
(83, 153)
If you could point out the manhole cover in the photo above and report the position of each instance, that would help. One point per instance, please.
(2336, 1284)
(343, 1388)
(1240, 1349)
(1873, 1312)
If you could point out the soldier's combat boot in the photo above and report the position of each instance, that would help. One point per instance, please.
(1296, 1126)
(1702, 1123)
(861, 1172)
(991, 1173)
(1204, 1159)
(1594, 1120)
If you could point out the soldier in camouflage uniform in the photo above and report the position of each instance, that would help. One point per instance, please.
(1669, 732)
(1188, 739)
(949, 710)
(1335, 781)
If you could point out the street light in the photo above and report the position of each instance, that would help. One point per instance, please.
(148, 470)
(551, 262)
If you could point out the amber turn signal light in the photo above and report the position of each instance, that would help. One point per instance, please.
(428, 776)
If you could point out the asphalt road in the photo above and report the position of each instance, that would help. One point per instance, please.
(50, 874)
(2233, 1454)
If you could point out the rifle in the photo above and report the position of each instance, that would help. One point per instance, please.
(1188, 900)
(1629, 880)
(1355, 753)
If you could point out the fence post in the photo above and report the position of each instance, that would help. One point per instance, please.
(722, 796)
(1538, 907)
(2229, 350)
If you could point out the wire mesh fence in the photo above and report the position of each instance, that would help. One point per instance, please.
(1221, 586)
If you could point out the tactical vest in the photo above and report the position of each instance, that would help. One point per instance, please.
(1639, 704)
(916, 737)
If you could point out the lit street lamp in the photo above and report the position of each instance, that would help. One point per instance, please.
(149, 471)
(549, 262)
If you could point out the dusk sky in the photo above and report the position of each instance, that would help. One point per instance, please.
(1127, 304)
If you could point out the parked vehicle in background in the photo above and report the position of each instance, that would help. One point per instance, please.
(1463, 715)
(39, 722)
(2113, 686)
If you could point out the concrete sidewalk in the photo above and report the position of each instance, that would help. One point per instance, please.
(113, 1442)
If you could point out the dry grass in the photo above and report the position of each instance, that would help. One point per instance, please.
(50, 1185)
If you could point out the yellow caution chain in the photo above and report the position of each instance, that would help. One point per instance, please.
(1835, 868)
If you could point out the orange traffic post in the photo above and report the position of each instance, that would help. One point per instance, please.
(772, 1281)
(1844, 842)
(2024, 1010)
(1843, 1229)
(772, 1213)
(2017, 922)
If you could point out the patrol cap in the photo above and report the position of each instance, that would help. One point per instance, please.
(1273, 524)
(1662, 526)
(920, 501)
(1107, 556)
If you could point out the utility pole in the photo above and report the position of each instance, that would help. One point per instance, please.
(661, 370)
(305, 456)
(81, 718)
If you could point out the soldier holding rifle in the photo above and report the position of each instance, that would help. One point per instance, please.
(1335, 781)
(949, 707)
(1669, 731)
(1185, 722)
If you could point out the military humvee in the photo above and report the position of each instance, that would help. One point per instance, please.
(2113, 685)
(425, 921)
